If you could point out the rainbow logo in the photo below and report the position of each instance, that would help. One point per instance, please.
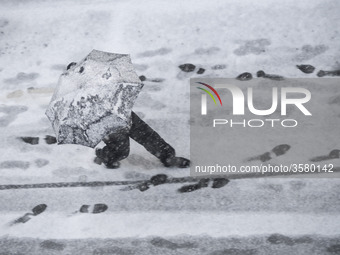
(209, 93)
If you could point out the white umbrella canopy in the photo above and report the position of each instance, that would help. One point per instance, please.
(94, 98)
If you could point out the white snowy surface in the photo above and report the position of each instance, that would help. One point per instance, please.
(39, 38)
(145, 224)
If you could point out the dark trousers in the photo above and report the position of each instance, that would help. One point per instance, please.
(118, 145)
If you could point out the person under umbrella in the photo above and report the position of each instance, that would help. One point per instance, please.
(117, 145)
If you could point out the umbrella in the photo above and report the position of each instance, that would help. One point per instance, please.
(94, 98)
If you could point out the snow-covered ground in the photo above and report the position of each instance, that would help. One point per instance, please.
(39, 38)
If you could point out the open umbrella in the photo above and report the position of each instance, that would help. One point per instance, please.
(94, 98)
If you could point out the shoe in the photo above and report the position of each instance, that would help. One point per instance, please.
(102, 154)
(97, 161)
(176, 162)
(112, 165)
(103, 157)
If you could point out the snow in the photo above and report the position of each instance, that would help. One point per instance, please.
(40, 38)
(145, 224)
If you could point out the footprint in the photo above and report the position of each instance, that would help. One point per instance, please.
(218, 67)
(334, 154)
(42, 90)
(306, 68)
(281, 239)
(15, 94)
(163, 243)
(207, 51)
(234, 251)
(40, 162)
(50, 139)
(252, 47)
(66, 172)
(323, 73)
(97, 208)
(152, 53)
(200, 71)
(35, 140)
(140, 67)
(30, 140)
(136, 175)
(58, 67)
(143, 78)
(309, 52)
(11, 113)
(28, 216)
(22, 77)
(187, 67)
(219, 183)
(3, 22)
(262, 74)
(187, 70)
(203, 183)
(154, 87)
(9, 164)
(275, 152)
(244, 77)
(52, 245)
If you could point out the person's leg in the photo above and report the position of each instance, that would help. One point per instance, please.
(155, 144)
(117, 148)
